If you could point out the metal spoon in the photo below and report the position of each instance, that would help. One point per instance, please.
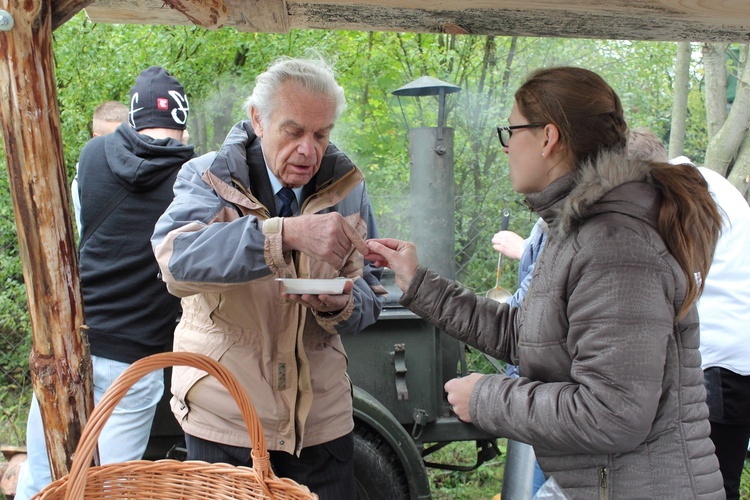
(499, 293)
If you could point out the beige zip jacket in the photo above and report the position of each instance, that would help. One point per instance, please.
(219, 248)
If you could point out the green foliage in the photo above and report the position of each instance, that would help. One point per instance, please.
(483, 483)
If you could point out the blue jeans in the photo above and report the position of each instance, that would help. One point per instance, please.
(123, 438)
(539, 478)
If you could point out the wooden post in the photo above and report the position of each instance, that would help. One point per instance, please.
(30, 119)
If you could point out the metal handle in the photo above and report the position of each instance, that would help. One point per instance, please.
(504, 227)
(505, 219)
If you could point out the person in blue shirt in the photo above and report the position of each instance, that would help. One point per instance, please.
(513, 246)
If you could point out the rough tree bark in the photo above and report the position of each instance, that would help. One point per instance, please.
(30, 119)
(726, 139)
(680, 104)
(714, 63)
(739, 176)
(63, 10)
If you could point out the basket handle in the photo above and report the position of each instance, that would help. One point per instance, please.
(93, 428)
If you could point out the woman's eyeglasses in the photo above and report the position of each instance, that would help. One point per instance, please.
(505, 133)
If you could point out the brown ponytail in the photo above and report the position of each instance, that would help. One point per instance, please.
(689, 222)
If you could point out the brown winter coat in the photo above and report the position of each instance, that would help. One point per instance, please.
(610, 394)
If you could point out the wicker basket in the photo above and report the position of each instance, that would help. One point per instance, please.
(171, 479)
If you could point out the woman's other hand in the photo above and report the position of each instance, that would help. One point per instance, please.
(401, 256)
(459, 394)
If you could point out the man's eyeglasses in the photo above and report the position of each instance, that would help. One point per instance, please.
(505, 133)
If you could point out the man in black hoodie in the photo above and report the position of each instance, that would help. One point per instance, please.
(125, 183)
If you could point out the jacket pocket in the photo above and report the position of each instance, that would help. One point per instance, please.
(212, 344)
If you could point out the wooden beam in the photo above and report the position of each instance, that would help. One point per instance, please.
(135, 12)
(211, 14)
(658, 20)
(714, 12)
(30, 120)
(63, 10)
(261, 16)
(592, 20)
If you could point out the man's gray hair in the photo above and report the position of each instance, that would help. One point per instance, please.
(314, 75)
(645, 145)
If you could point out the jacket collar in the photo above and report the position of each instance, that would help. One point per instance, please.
(238, 172)
(610, 183)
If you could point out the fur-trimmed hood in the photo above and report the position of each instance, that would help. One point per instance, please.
(610, 183)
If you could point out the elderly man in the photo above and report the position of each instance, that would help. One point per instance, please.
(724, 315)
(276, 201)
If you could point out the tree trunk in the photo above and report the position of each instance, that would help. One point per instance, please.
(714, 62)
(724, 146)
(740, 174)
(680, 105)
(66, 9)
(30, 119)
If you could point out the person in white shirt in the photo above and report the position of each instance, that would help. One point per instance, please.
(724, 311)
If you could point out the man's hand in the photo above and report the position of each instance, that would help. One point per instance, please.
(325, 237)
(401, 256)
(323, 302)
(509, 244)
(459, 394)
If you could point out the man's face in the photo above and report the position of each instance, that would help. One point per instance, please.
(297, 133)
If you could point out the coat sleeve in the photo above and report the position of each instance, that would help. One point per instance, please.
(478, 321)
(201, 244)
(368, 294)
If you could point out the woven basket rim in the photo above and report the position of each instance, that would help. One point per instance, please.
(168, 473)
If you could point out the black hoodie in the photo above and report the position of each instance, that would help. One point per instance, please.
(127, 308)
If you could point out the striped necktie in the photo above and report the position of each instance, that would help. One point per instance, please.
(287, 197)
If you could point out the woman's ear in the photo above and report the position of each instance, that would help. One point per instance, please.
(551, 140)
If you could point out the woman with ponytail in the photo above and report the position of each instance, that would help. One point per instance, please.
(611, 391)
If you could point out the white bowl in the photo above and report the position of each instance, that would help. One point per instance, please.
(313, 286)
